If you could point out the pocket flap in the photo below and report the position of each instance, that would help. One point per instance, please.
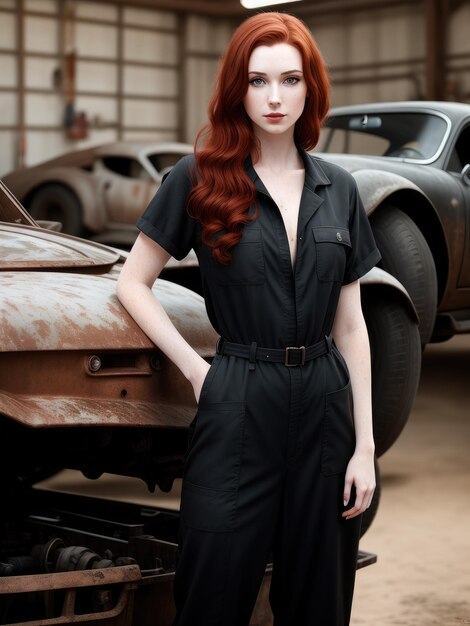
(332, 234)
(250, 234)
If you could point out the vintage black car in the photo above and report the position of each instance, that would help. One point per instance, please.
(411, 161)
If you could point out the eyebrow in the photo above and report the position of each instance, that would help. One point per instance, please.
(282, 73)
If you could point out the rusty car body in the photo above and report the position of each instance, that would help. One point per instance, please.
(98, 192)
(82, 387)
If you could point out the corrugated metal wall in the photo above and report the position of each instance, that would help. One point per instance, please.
(148, 74)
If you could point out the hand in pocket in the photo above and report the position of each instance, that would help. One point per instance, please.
(199, 381)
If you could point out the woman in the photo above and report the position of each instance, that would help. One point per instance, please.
(279, 464)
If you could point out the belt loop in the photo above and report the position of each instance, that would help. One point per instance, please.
(252, 357)
(329, 341)
(219, 346)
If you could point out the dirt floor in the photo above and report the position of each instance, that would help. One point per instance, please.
(421, 534)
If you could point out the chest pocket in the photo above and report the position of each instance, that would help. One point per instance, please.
(247, 266)
(332, 246)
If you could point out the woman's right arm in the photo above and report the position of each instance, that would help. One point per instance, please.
(141, 269)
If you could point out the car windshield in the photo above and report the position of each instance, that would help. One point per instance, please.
(11, 210)
(162, 160)
(416, 136)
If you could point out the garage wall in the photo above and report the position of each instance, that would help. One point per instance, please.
(9, 100)
(458, 55)
(127, 75)
(375, 55)
(148, 74)
(205, 40)
(381, 55)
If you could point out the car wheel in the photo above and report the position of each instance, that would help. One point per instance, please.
(406, 255)
(395, 363)
(369, 514)
(58, 204)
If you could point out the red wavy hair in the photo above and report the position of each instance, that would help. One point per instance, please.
(223, 192)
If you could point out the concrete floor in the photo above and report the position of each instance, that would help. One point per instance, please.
(421, 534)
(422, 530)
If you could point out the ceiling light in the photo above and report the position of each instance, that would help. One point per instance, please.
(256, 4)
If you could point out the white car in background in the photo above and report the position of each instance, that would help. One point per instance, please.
(98, 192)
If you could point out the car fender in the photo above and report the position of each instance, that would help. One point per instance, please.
(376, 185)
(378, 277)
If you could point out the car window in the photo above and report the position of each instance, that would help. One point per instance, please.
(352, 142)
(162, 160)
(418, 136)
(125, 166)
(461, 153)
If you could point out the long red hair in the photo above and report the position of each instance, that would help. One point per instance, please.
(223, 193)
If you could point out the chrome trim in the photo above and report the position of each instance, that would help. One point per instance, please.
(432, 159)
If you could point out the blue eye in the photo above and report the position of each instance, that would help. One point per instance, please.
(257, 82)
(292, 80)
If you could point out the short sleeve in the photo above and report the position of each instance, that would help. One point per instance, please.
(364, 253)
(166, 219)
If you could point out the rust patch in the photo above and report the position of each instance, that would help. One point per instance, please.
(69, 580)
(30, 247)
(37, 411)
(59, 311)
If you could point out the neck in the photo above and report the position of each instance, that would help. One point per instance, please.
(278, 152)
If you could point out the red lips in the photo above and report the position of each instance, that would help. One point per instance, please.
(275, 115)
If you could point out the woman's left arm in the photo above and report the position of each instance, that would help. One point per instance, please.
(352, 340)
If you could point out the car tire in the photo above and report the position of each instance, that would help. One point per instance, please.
(395, 364)
(370, 513)
(407, 256)
(58, 204)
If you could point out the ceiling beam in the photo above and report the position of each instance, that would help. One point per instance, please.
(232, 8)
(437, 16)
(334, 7)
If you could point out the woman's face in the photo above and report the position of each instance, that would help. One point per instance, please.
(277, 89)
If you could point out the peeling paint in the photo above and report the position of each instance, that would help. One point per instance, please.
(43, 412)
(30, 247)
(62, 311)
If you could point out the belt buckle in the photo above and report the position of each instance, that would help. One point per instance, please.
(288, 350)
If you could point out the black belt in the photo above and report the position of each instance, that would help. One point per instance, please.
(291, 356)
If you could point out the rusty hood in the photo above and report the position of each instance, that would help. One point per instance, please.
(43, 311)
(58, 293)
(34, 248)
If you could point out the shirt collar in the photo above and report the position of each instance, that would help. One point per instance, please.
(314, 177)
(314, 174)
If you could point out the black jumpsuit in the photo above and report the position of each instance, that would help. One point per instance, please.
(268, 448)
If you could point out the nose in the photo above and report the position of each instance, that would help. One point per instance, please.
(274, 95)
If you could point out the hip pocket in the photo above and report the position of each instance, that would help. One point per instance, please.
(208, 379)
(338, 436)
(212, 466)
(213, 459)
(212, 510)
(202, 396)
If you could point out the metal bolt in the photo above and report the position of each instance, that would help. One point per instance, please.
(94, 363)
